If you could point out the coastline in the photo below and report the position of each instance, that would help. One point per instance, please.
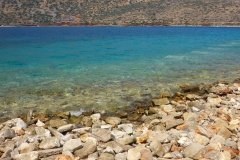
(197, 122)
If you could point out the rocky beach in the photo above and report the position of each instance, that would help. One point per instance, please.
(198, 122)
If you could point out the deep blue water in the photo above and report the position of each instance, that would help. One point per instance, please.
(82, 67)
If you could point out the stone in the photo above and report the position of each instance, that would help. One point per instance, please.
(126, 139)
(184, 141)
(16, 124)
(203, 131)
(42, 132)
(224, 132)
(86, 121)
(192, 149)
(116, 134)
(102, 135)
(161, 101)
(72, 145)
(230, 143)
(121, 156)
(82, 130)
(7, 145)
(64, 115)
(40, 124)
(113, 120)
(176, 155)
(135, 153)
(117, 147)
(106, 156)
(192, 97)
(63, 157)
(93, 156)
(9, 133)
(212, 154)
(50, 142)
(49, 152)
(167, 108)
(55, 123)
(88, 148)
(128, 128)
(53, 157)
(66, 128)
(95, 117)
(173, 123)
(188, 116)
(146, 154)
(225, 155)
(107, 126)
(214, 101)
(217, 139)
(28, 156)
(201, 139)
(157, 148)
(160, 137)
(55, 132)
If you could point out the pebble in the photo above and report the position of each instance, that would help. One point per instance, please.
(184, 126)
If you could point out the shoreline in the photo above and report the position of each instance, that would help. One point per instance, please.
(200, 121)
(210, 26)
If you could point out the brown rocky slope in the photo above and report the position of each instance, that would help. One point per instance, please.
(119, 12)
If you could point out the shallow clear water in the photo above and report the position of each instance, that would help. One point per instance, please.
(73, 68)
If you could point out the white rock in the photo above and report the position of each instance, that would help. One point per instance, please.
(95, 117)
(40, 124)
(184, 141)
(42, 132)
(117, 134)
(128, 128)
(121, 156)
(66, 128)
(106, 126)
(82, 130)
(27, 156)
(23, 146)
(50, 142)
(16, 124)
(72, 145)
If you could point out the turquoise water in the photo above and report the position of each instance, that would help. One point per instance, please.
(74, 68)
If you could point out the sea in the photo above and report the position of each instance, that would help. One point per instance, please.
(107, 68)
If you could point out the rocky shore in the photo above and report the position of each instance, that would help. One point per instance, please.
(199, 122)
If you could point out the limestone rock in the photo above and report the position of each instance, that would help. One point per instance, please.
(201, 139)
(82, 130)
(72, 145)
(192, 149)
(63, 157)
(113, 120)
(188, 116)
(55, 123)
(66, 128)
(217, 139)
(106, 156)
(49, 152)
(126, 139)
(9, 133)
(173, 123)
(102, 135)
(87, 121)
(146, 155)
(161, 101)
(128, 128)
(28, 156)
(157, 148)
(42, 132)
(88, 148)
(50, 142)
(121, 156)
(135, 153)
(117, 147)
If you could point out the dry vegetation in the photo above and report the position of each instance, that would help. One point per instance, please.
(119, 12)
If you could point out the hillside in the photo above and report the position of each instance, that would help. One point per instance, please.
(119, 12)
